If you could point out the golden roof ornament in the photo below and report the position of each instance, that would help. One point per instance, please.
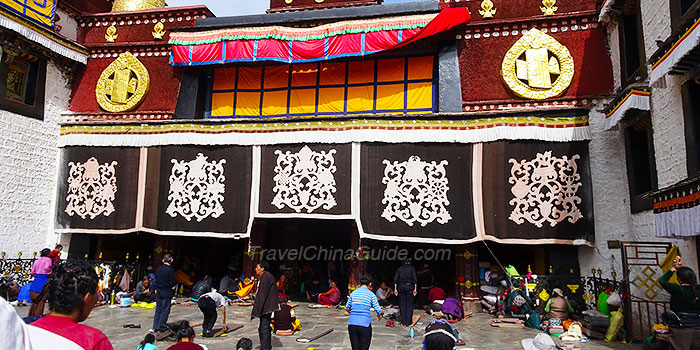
(537, 66)
(158, 31)
(123, 84)
(136, 5)
(548, 7)
(487, 10)
(111, 34)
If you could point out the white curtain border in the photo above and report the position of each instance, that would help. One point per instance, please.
(569, 134)
(678, 223)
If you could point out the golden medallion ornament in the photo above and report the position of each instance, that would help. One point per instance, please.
(487, 10)
(548, 7)
(111, 34)
(158, 31)
(123, 84)
(537, 67)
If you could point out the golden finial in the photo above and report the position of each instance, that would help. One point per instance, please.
(158, 31)
(549, 8)
(111, 34)
(487, 10)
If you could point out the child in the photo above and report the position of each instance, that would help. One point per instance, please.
(147, 343)
(244, 344)
(185, 340)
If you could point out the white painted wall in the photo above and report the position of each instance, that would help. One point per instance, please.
(69, 26)
(29, 152)
(613, 220)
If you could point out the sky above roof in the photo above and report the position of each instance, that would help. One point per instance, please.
(222, 8)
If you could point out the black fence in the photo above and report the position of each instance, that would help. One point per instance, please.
(18, 270)
(582, 292)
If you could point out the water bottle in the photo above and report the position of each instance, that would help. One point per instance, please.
(412, 333)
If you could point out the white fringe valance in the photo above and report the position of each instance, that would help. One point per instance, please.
(679, 223)
(635, 99)
(680, 49)
(42, 40)
(567, 134)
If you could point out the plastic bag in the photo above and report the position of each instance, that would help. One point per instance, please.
(614, 299)
(616, 322)
(603, 303)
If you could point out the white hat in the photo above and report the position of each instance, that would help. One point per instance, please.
(540, 342)
(575, 332)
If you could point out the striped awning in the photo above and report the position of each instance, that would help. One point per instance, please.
(672, 60)
(352, 38)
(635, 99)
(39, 35)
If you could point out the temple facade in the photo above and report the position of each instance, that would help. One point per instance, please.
(530, 133)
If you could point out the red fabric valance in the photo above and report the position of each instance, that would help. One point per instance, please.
(310, 45)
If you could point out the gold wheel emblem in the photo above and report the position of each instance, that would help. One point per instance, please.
(538, 67)
(123, 84)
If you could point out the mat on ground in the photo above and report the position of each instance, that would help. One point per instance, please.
(314, 334)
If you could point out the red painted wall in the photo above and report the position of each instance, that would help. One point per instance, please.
(161, 96)
(480, 65)
(512, 9)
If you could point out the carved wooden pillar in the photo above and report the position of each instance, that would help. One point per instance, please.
(357, 265)
(467, 261)
(252, 256)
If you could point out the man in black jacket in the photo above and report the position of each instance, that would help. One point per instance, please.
(165, 281)
(405, 282)
(266, 302)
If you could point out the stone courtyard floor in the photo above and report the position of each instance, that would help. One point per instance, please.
(476, 331)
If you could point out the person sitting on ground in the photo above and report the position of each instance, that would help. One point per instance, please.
(312, 289)
(228, 284)
(436, 293)
(332, 296)
(282, 286)
(285, 321)
(440, 335)
(685, 296)
(56, 254)
(147, 343)
(452, 309)
(201, 287)
(383, 294)
(145, 291)
(208, 303)
(72, 294)
(244, 344)
(557, 306)
(185, 341)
